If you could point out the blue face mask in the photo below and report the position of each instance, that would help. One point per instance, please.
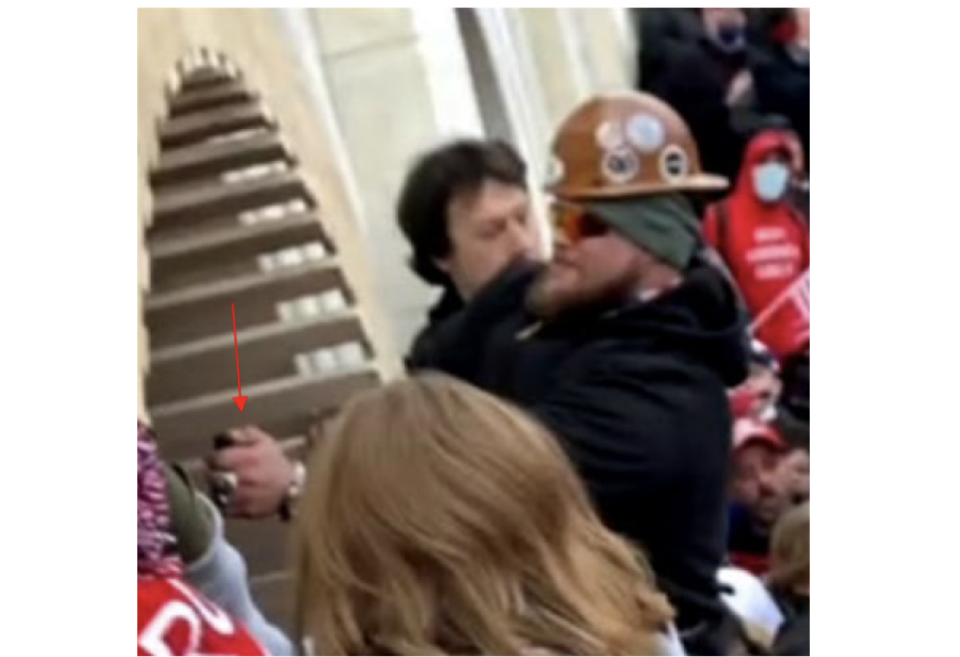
(770, 181)
(731, 37)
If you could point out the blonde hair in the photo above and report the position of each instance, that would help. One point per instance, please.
(790, 551)
(437, 520)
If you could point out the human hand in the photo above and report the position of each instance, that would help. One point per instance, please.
(741, 85)
(258, 470)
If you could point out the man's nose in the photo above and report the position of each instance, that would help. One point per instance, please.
(523, 240)
(769, 482)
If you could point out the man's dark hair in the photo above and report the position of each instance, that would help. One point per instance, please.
(462, 166)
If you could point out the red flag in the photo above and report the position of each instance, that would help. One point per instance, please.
(784, 325)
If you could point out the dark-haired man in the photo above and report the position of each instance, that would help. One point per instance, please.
(465, 211)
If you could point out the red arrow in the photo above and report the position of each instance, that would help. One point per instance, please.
(239, 399)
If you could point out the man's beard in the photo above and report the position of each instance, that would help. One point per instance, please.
(548, 304)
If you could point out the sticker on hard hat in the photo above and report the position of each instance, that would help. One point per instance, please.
(620, 165)
(646, 132)
(610, 136)
(674, 164)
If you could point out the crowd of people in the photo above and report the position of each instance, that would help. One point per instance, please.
(729, 72)
(601, 452)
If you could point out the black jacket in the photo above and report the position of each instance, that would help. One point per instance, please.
(660, 31)
(781, 87)
(781, 80)
(638, 399)
(694, 79)
(446, 306)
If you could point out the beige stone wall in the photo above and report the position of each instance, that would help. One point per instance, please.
(256, 42)
(560, 72)
(605, 48)
(399, 84)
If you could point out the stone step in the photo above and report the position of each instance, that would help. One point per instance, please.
(205, 77)
(211, 97)
(266, 352)
(176, 256)
(194, 128)
(215, 198)
(210, 159)
(204, 310)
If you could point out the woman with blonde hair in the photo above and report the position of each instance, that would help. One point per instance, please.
(790, 552)
(437, 520)
(789, 579)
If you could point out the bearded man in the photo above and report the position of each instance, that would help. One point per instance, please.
(625, 345)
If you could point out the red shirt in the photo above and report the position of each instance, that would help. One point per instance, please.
(173, 619)
(756, 564)
(767, 248)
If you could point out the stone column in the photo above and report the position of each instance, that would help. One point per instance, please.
(399, 83)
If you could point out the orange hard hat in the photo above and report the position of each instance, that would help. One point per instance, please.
(623, 145)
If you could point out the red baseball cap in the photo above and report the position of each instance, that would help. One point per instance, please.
(747, 430)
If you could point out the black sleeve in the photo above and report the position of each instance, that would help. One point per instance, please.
(457, 345)
(616, 419)
(422, 353)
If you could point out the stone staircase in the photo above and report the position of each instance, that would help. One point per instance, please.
(234, 223)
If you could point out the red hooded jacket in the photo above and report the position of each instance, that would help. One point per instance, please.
(767, 248)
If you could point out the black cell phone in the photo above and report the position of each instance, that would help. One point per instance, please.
(222, 441)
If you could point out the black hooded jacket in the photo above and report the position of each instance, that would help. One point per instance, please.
(449, 303)
(637, 397)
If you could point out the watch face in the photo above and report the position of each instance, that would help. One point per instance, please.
(288, 506)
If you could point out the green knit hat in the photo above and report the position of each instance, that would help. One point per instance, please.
(664, 224)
